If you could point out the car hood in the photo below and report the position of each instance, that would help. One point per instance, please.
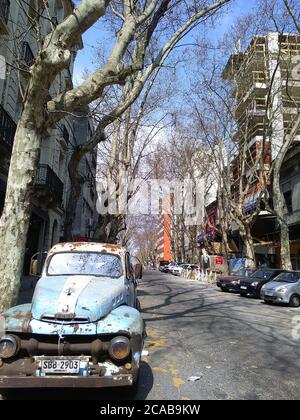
(229, 279)
(273, 285)
(249, 280)
(77, 298)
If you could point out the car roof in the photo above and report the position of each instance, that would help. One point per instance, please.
(291, 271)
(88, 247)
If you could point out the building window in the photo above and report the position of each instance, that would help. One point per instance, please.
(288, 201)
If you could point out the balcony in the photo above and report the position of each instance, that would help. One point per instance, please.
(4, 12)
(49, 187)
(7, 128)
(26, 54)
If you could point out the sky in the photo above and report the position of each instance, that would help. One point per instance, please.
(97, 35)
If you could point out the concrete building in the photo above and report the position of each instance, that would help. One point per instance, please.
(18, 45)
(267, 91)
(163, 246)
(86, 216)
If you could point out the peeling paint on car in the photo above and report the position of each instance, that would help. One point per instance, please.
(84, 312)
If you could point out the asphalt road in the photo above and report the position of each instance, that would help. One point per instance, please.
(240, 348)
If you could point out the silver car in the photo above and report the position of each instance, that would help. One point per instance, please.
(285, 288)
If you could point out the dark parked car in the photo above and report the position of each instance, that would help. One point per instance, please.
(163, 266)
(231, 282)
(252, 286)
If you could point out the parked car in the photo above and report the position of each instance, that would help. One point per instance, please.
(82, 329)
(167, 268)
(231, 283)
(163, 266)
(176, 269)
(191, 267)
(285, 288)
(252, 286)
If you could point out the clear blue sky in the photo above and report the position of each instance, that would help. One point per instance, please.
(97, 35)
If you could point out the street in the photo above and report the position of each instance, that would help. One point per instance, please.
(239, 347)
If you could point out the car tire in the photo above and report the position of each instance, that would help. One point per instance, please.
(268, 302)
(258, 292)
(224, 289)
(243, 294)
(295, 301)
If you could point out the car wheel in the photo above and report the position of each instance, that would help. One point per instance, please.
(243, 294)
(295, 301)
(258, 292)
(224, 289)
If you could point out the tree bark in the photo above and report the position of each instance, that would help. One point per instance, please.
(279, 210)
(14, 222)
(246, 236)
(15, 218)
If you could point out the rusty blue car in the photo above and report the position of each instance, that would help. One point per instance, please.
(83, 328)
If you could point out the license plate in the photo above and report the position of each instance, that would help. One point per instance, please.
(64, 366)
(244, 287)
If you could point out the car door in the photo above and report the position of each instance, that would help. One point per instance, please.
(130, 282)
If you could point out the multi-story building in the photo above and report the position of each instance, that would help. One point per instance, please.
(86, 216)
(18, 45)
(163, 246)
(267, 92)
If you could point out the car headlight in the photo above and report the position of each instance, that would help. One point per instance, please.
(263, 287)
(119, 348)
(8, 346)
(281, 290)
(255, 283)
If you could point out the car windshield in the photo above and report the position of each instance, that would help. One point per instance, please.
(239, 273)
(288, 277)
(85, 264)
(262, 274)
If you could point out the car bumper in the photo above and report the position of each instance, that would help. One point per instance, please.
(275, 297)
(251, 290)
(229, 286)
(65, 382)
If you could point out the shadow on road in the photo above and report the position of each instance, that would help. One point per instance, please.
(169, 305)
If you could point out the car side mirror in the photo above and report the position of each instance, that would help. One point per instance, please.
(34, 266)
(138, 271)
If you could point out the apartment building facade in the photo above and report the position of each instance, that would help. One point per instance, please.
(164, 232)
(86, 216)
(267, 93)
(18, 45)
